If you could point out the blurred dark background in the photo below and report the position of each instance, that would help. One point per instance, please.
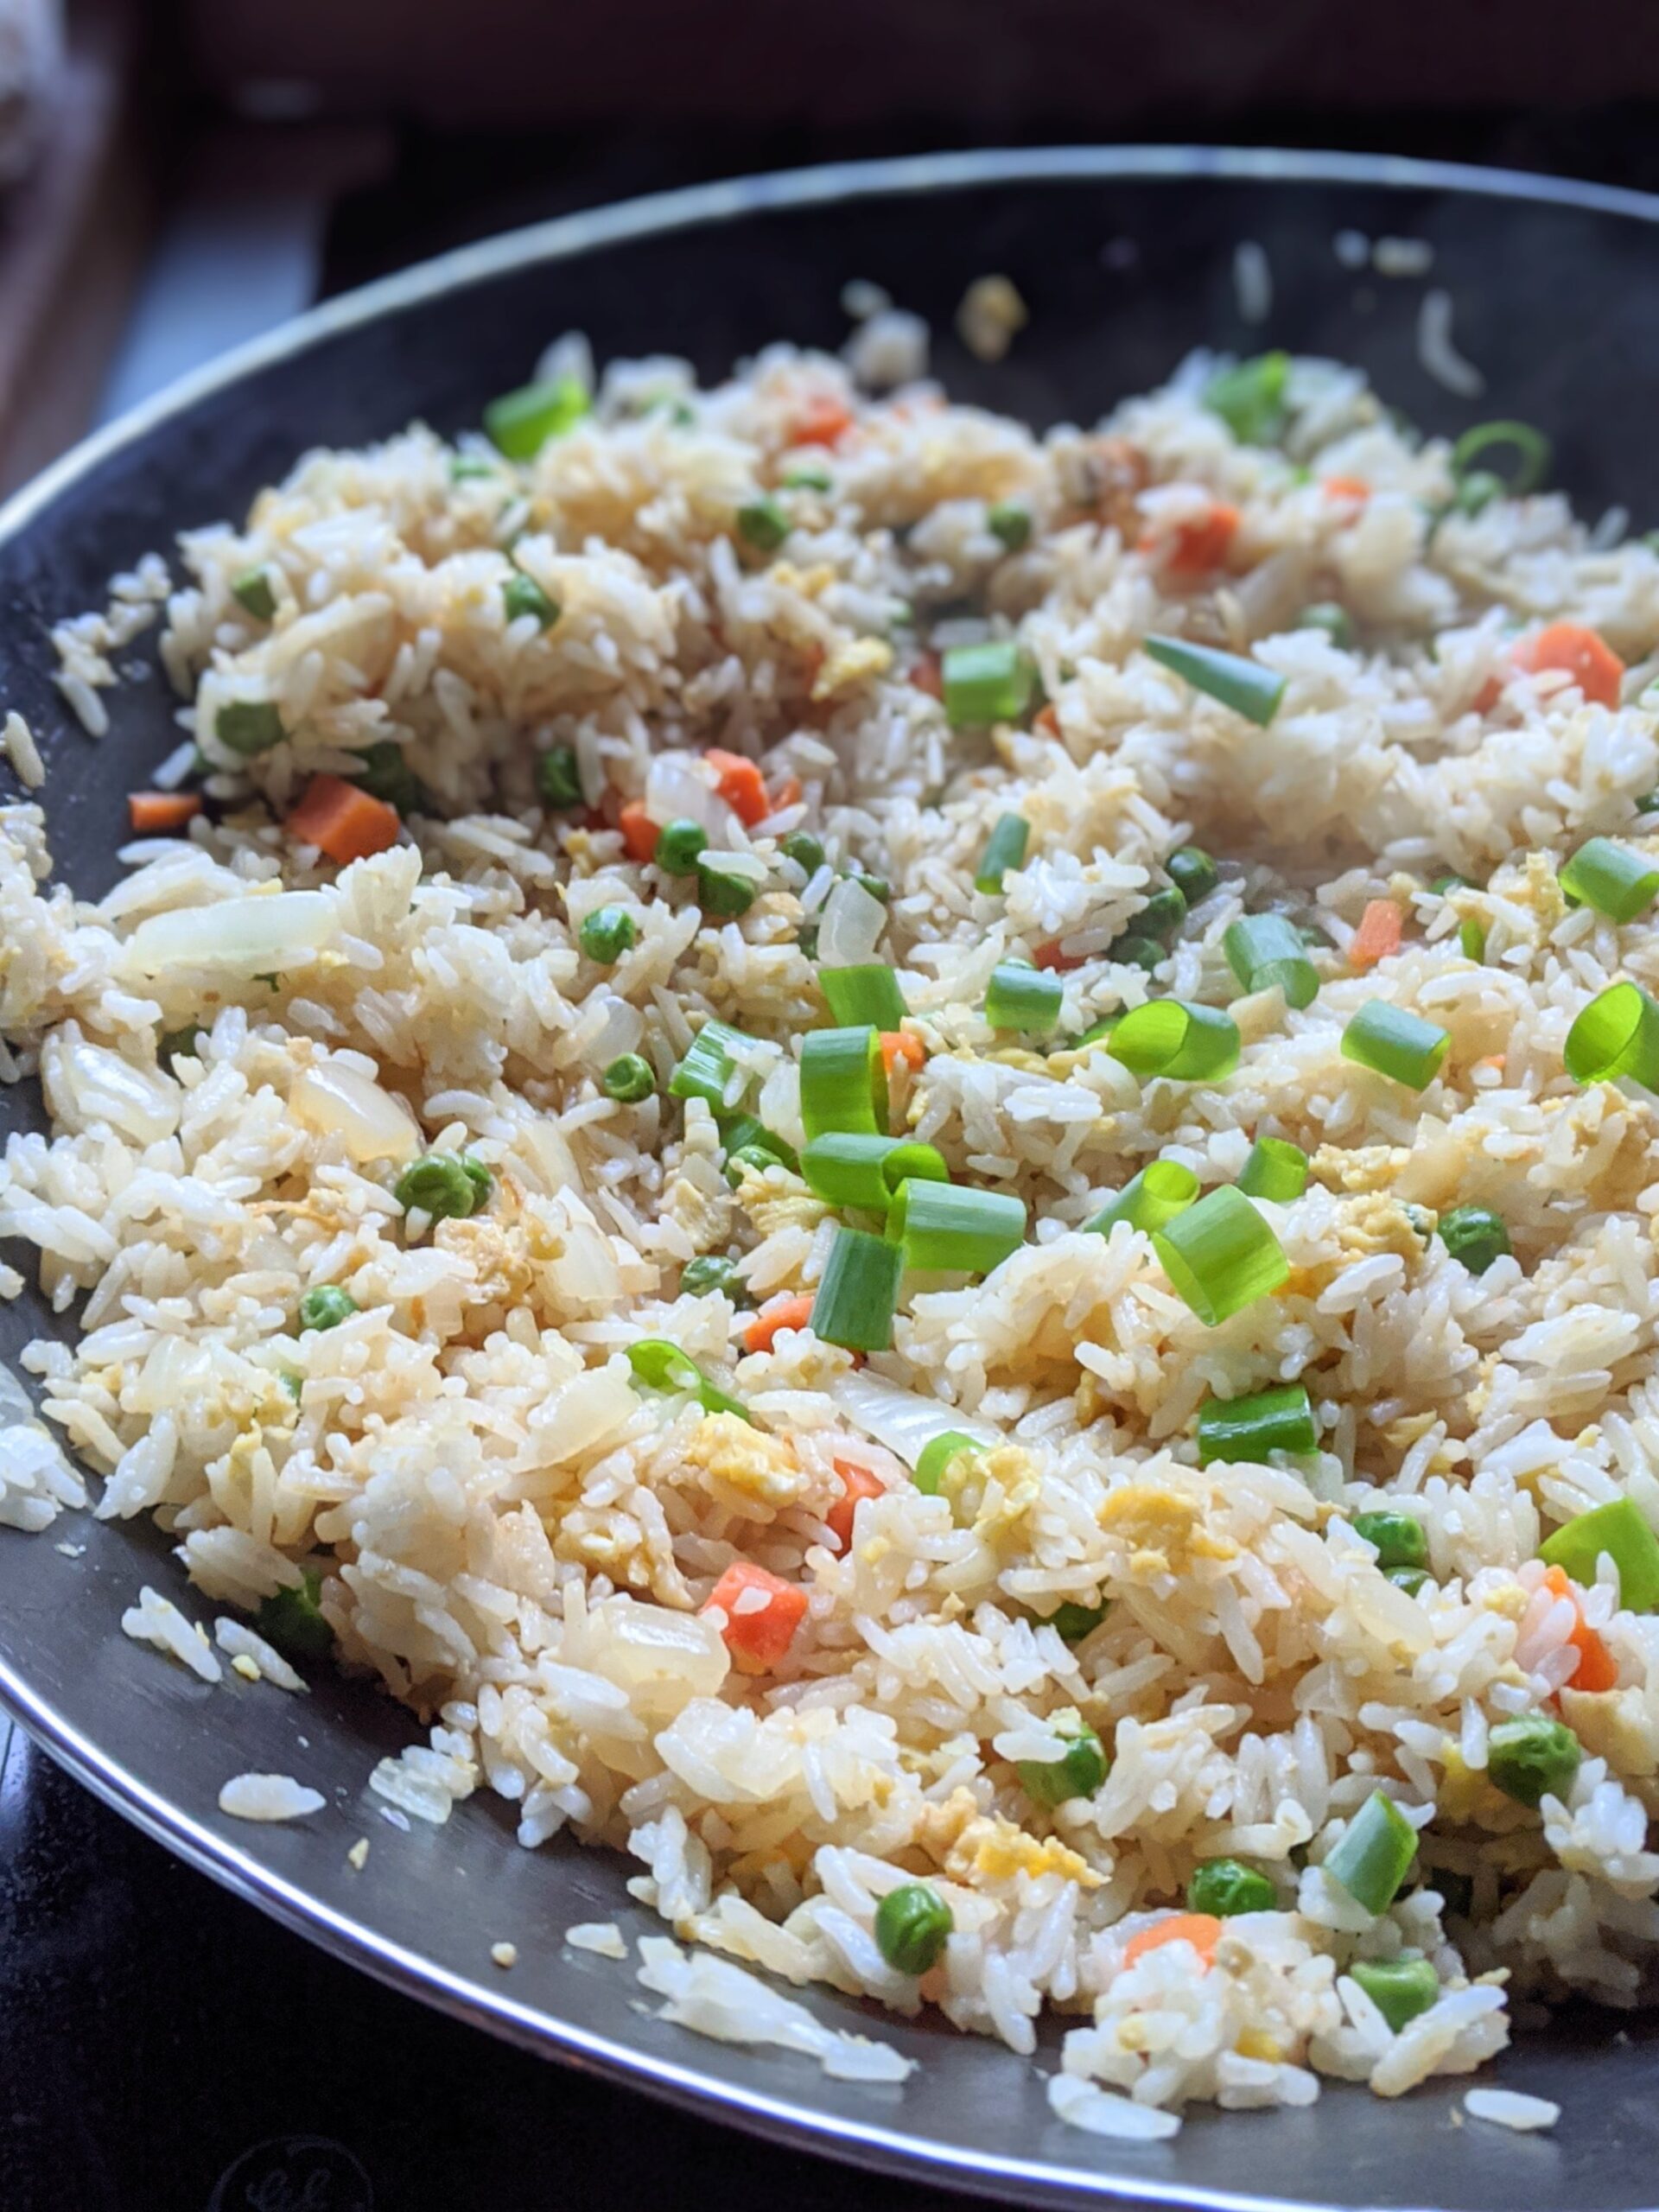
(176, 177)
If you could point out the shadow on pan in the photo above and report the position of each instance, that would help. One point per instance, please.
(1126, 259)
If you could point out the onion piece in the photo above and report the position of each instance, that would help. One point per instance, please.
(88, 1087)
(676, 791)
(339, 1102)
(904, 1421)
(261, 934)
(851, 926)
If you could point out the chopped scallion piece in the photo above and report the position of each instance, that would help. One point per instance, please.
(707, 1071)
(859, 1288)
(1017, 997)
(869, 993)
(1532, 452)
(520, 423)
(386, 774)
(660, 1365)
(1612, 879)
(251, 589)
(943, 1225)
(1617, 1034)
(1471, 938)
(849, 1169)
(1220, 1256)
(1275, 1169)
(808, 476)
(522, 595)
(1162, 1189)
(1391, 1041)
(1400, 1988)
(1250, 397)
(1263, 949)
(1244, 685)
(292, 1619)
(986, 683)
(1167, 1037)
(1374, 1853)
(1250, 1428)
(1619, 1529)
(743, 1133)
(1004, 849)
(1227, 1886)
(1327, 615)
(1399, 1539)
(1072, 1622)
(936, 1455)
(844, 1084)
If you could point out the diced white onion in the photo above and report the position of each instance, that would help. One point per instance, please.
(338, 1101)
(587, 1409)
(546, 1152)
(904, 1421)
(677, 790)
(661, 1658)
(255, 935)
(853, 919)
(89, 1087)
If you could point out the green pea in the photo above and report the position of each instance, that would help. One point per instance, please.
(386, 774)
(913, 1925)
(1074, 1621)
(1133, 951)
(1647, 803)
(1442, 884)
(1532, 1758)
(629, 1079)
(804, 848)
(292, 1620)
(1192, 872)
(437, 1184)
(763, 524)
(325, 1306)
(1398, 1536)
(1226, 1887)
(678, 845)
(522, 595)
(249, 725)
(480, 1177)
(1011, 523)
(877, 886)
(712, 1271)
(180, 1044)
(607, 934)
(1408, 1579)
(1400, 1988)
(557, 779)
(251, 589)
(747, 1156)
(1476, 1235)
(1077, 1773)
(722, 891)
(1163, 913)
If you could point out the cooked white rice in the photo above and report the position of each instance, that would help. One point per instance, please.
(268, 1797)
(522, 1544)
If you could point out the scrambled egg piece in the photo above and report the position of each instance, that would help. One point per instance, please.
(1377, 1222)
(779, 1200)
(1163, 1528)
(760, 1469)
(1256, 2043)
(1368, 1167)
(1539, 888)
(1465, 1795)
(991, 1849)
(498, 1255)
(990, 1491)
(855, 661)
(1612, 1725)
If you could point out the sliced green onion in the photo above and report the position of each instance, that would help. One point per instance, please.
(1408, 1579)
(1072, 1622)
(1474, 1235)
(1281, 1419)
(660, 1365)
(249, 725)
(741, 1133)
(1617, 1034)
(1328, 615)
(843, 1082)
(1399, 1539)
(845, 1169)
(1400, 1988)
(1096, 1033)
(1226, 1887)
(1192, 872)
(520, 423)
(943, 1225)
(292, 1619)
(522, 595)
(869, 993)
(1004, 849)
(1612, 879)
(707, 1071)
(859, 1288)
(707, 1271)
(1244, 685)
(1011, 523)
(1220, 1256)
(385, 773)
(1472, 939)
(808, 476)
(982, 684)
(1391, 1041)
(1374, 1853)
(174, 1044)
(763, 524)
(1250, 397)
(1618, 1529)
(251, 589)
(1161, 1190)
(1475, 492)
(1532, 451)
(1275, 1169)
(936, 1455)
(1263, 949)
(1167, 1037)
(1017, 997)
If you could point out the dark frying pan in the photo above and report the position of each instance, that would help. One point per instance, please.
(1126, 259)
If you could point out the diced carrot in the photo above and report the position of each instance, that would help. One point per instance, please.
(1597, 1670)
(1578, 653)
(1496, 1061)
(342, 821)
(1047, 721)
(857, 1482)
(757, 1639)
(1194, 547)
(1201, 1929)
(1378, 934)
(741, 784)
(824, 420)
(788, 793)
(793, 1312)
(1050, 956)
(899, 1045)
(639, 830)
(155, 813)
(1345, 487)
(928, 676)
